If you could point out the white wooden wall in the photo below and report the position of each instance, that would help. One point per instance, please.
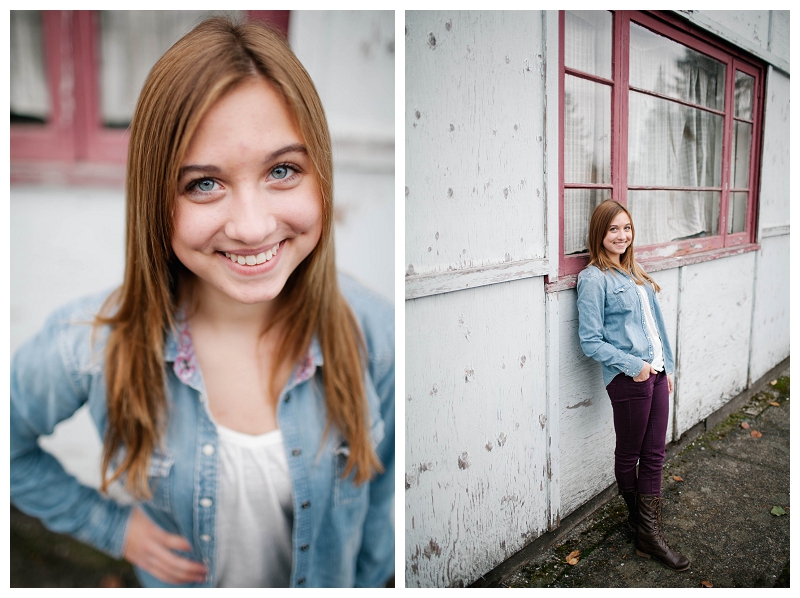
(470, 229)
(478, 419)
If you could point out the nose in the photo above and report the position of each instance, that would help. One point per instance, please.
(250, 218)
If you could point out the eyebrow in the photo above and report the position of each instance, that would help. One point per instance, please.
(289, 149)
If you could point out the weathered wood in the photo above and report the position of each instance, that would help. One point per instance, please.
(713, 337)
(775, 163)
(769, 343)
(476, 430)
(474, 123)
(586, 421)
(469, 278)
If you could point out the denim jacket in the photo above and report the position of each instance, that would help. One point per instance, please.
(612, 328)
(342, 535)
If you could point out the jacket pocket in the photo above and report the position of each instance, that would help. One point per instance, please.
(626, 295)
(345, 490)
(158, 478)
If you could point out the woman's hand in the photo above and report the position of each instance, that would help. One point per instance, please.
(645, 373)
(150, 548)
(669, 381)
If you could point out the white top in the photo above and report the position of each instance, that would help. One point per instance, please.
(254, 518)
(652, 330)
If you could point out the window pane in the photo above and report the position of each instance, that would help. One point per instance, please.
(587, 131)
(666, 67)
(663, 216)
(578, 207)
(30, 100)
(740, 164)
(737, 212)
(587, 42)
(131, 41)
(672, 145)
(744, 95)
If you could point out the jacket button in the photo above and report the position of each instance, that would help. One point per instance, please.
(296, 452)
(304, 547)
(306, 504)
(208, 450)
(301, 581)
(205, 502)
(205, 538)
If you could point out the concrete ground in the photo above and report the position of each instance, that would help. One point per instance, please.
(726, 508)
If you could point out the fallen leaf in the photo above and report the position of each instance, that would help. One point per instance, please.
(778, 511)
(755, 434)
(677, 478)
(775, 403)
(745, 425)
(707, 584)
(774, 382)
(572, 557)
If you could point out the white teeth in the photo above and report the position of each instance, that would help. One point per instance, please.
(253, 260)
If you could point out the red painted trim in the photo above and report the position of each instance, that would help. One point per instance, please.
(661, 96)
(562, 260)
(279, 19)
(622, 78)
(588, 76)
(656, 264)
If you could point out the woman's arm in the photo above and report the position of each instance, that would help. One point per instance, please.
(591, 324)
(49, 382)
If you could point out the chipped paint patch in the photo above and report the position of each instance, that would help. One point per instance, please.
(463, 460)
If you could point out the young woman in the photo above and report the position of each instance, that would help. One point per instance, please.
(245, 394)
(621, 326)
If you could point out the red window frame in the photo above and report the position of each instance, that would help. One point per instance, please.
(74, 134)
(675, 29)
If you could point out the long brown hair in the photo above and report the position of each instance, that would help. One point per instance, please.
(209, 62)
(601, 220)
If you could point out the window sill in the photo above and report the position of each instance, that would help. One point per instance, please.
(655, 264)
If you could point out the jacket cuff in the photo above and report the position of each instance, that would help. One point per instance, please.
(107, 527)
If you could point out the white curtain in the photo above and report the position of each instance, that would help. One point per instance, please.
(131, 42)
(28, 93)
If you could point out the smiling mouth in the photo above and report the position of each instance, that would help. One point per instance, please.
(253, 260)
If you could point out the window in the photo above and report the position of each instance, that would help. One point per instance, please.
(75, 79)
(663, 119)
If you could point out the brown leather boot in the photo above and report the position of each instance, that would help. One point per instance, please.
(650, 540)
(633, 510)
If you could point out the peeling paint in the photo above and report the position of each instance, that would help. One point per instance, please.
(501, 440)
(469, 374)
(522, 360)
(542, 420)
(489, 446)
(432, 41)
(463, 460)
(585, 403)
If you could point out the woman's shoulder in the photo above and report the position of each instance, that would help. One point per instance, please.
(374, 313)
(591, 273)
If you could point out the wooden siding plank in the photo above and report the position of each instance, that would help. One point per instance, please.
(474, 139)
(476, 430)
(770, 333)
(714, 335)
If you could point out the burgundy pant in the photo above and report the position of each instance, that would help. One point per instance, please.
(641, 411)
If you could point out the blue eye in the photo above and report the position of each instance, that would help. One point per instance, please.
(280, 172)
(206, 185)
